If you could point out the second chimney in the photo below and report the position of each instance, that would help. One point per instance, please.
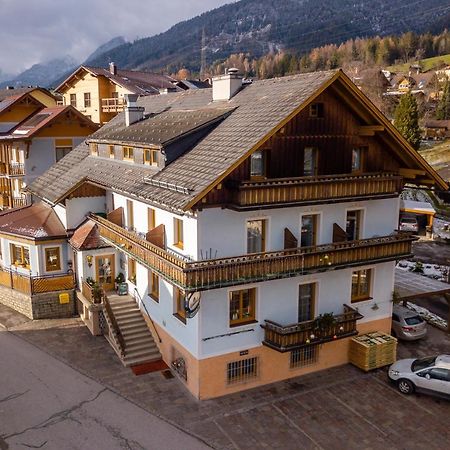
(226, 86)
(112, 68)
(133, 113)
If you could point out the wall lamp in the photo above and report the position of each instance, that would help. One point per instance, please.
(89, 259)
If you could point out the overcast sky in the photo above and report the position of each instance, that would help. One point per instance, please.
(33, 31)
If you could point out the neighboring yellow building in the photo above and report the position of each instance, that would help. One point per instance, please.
(99, 93)
(36, 139)
(18, 104)
(406, 84)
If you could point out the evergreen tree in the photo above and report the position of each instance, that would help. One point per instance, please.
(443, 107)
(407, 119)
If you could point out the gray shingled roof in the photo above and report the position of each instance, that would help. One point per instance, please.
(159, 129)
(260, 107)
(137, 82)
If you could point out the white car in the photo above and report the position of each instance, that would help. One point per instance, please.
(429, 375)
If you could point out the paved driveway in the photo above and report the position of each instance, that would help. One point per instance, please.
(340, 408)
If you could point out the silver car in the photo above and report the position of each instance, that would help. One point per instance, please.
(409, 224)
(407, 324)
(430, 375)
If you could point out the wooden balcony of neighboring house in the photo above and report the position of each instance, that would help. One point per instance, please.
(316, 190)
(31, 285)
(4, 200)
(16, 169)
(192, 276)
(325, 328)
(112, 104)
(20, 200)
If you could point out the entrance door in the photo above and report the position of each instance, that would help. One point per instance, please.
(105, 271)
(306, 300)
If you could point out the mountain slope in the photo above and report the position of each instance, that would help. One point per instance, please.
(258, 26)
(110, 45)
(50, 74)
(40, 74)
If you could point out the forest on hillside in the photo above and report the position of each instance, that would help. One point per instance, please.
(366, 53)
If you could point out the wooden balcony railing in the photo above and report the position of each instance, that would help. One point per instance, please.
(94, 294)
(193, 276)
(4, 200)
(316, 331)
(310, 190)
(112, 104)
(31, 285)
(16, 169)
(20, 201)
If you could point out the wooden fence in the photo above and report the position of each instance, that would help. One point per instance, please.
(31, 285)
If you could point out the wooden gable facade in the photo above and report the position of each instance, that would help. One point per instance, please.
(334, 129)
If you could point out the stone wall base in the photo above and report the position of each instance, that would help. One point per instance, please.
(38, 306)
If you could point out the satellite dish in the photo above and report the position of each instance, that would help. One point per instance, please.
(192, 304)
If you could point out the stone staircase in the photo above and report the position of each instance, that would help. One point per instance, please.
(140, 347)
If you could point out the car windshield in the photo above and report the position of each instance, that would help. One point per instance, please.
(409, 221)
(423, 363)
(415, 320)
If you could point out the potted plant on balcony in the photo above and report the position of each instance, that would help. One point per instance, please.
(323, 324)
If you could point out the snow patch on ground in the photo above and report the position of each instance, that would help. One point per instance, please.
(434, 271)
(428, 316)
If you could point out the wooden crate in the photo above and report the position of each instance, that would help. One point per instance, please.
(373, 350)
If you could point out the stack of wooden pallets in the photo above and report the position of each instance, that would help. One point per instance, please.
(372, 350)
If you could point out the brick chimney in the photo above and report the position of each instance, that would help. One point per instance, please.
(112, 68)
(133, 113)
(224, 87)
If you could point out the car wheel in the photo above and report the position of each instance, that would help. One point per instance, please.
(405, 386)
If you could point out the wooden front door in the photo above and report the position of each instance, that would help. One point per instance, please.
(105, 271)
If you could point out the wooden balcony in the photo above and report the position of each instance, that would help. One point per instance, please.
(315, 190)
(193, 276)
(31, 285)
(16, 169)
(4, 201)
(20, 201)
(12, 169)
(297, 335)
(112, 104)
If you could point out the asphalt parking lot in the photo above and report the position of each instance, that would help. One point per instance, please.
(341, 408)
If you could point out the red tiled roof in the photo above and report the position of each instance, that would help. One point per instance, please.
(41, 119)
(87, 237)
(38, 221)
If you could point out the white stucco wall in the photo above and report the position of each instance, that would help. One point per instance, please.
(222, 232)
(140, 212)
(278, 301)
(60, 211)
(162, 313)
(37, 256)
(78, 208)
